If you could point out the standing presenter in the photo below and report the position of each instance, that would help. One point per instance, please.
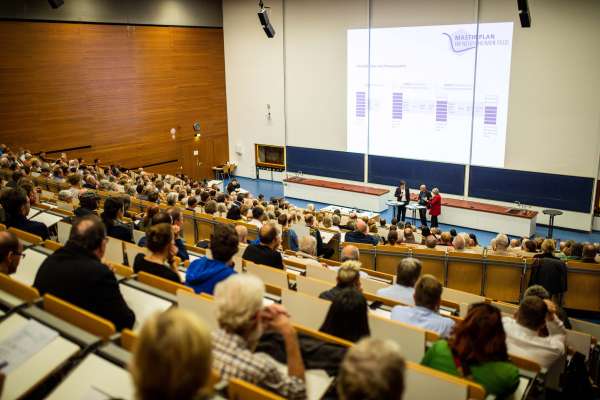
(403, 196)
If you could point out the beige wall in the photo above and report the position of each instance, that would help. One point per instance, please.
(554, 110)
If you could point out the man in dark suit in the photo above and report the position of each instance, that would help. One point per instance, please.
(360, 235)
(424, 197)
(265, 252)
(75, 274)
(403, 196)
(16, 207)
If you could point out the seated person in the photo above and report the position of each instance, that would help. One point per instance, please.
(361, 234)
(161, 261)
(500, 246)
(16, 208)
(539, 291)
(265, 252)
(347, 317)
(204, 273)
(242, 319)
(409, 236)
(431, 242)
(535, 332)
(373, 369)
(589, 254)
(174, 218)
(113, 212)
(234, 213)
(284, 221)
(75, 274)
(88, 204)
(425, 313)
(393, 239)
(257, 214)
(307, 252)
(348, 276)
(322, 249)
(549, 271)
(183, 372)
(11, 252)
(407, 274)
(477, 350)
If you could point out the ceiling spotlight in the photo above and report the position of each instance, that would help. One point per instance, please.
(263, 16)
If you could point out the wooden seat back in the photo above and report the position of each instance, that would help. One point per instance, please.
(269, 275)
(312, 287)
(18, 289)
(204, 226)
(505, 277)
(305, 310)
(161, 283)
(465, 271)
(388, 257)
(199, 304)
(433, 262)
(79, 317)
(26, 236)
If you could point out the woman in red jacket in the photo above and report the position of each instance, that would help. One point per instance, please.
(435, 207)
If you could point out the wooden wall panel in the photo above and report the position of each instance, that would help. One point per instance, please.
(117, 88)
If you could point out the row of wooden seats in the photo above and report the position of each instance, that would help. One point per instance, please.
(502, 278)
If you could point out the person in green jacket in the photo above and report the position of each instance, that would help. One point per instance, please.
(476, 350)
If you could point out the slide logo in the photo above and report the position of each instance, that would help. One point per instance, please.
(462, 41)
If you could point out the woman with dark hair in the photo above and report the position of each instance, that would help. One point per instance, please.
(146, 222)
(161, 261)
(347, 316)
(477, 351)
(113, 212)
(234, 213)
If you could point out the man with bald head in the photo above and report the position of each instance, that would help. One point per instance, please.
(424, 197)
(75, 274)
(361, 234)
(266, 251)
(11, 251)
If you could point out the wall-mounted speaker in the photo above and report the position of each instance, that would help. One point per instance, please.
(263, 17)
(524, 13)
(56, 3)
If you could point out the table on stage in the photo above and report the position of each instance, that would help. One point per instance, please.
(343, 194)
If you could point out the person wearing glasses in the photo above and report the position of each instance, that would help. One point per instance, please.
(11, 252)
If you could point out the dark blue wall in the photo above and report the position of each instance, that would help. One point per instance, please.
(449, 178)
(328, 163)
(562, 192)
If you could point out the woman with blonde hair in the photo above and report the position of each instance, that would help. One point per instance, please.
(172, 358)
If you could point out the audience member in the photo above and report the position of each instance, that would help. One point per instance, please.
(11, 252)
(16, 209)
(113, 212)
(350, 253)
(477, 350)
(409, 236)
(525, 332)
(539, 291)
(88, 204)
(431, 242)
(257, 214)
(403, 290)
(373, 369)
(589, 254)
(161, 261)
(425, 313)
(360, 234)
(283, 220)
(549, 271)
(348, 276)
(347, 316)
(204, 273)
(242, 319)
(75, 274)
(172, 358)
(322, 249)
(265, 252)
(500, 246)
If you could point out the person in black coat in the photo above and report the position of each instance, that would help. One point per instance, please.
(402, 195)
(549, 272)
(113, 211)
(265, 252)
(424, 197)
(75, 274)
(16, 208)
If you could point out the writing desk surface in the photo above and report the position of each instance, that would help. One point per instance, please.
(95, 373)
(29, 266)
(143, 304)
(37, 367)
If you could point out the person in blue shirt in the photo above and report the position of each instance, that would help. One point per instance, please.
(204, 273)
(425, 313)
(407, 274)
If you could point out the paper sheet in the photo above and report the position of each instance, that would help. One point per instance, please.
(25, 343)
(47, 219)
(327, 236)
(317, 381)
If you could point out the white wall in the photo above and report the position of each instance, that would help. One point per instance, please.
(554, 109)
(254, 78)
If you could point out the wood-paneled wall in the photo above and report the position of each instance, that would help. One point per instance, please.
(117, 88)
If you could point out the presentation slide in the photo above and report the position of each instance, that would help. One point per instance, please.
(414, 97)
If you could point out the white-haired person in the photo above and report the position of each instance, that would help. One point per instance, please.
(242, 320)
(172, 358)
(307, 251)
(500, 246)
(373, 369)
